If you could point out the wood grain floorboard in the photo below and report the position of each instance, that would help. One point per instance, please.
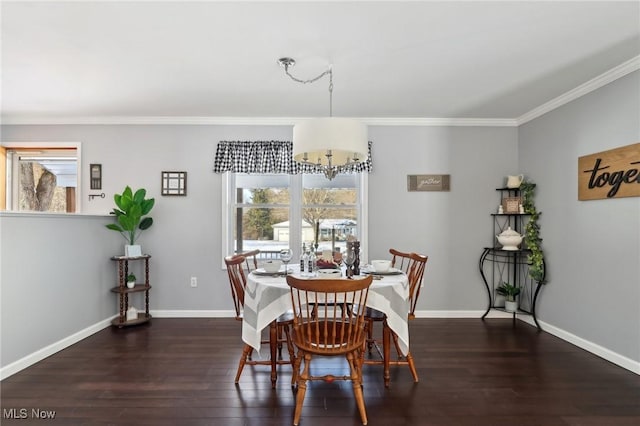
(181, 371)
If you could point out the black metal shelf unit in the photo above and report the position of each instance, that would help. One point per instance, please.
(498, 265)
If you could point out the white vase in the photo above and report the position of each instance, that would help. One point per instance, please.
(132, 251)
(510, 306)
(131, 284)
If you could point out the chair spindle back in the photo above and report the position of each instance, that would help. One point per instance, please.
(329, 314)
(237, 281)
(251, 259)
(413, 265)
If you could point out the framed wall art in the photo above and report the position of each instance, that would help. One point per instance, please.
(428, 183)
(174, 183)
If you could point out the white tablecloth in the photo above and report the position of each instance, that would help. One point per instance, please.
(267, 297)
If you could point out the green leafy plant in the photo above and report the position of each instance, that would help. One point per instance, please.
(131, 277)
(532, 233)
(130, 212)
(508, 291)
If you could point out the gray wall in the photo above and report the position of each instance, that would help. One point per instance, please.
(592, 247)
(56, 275)
(451, 227)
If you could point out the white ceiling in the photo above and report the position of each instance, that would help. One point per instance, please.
(395, 59)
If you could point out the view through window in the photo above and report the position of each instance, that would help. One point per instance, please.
(272, 212)
(42, 179)
(330, 210)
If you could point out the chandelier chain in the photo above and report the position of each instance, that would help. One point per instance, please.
(330, 93)
(313, 80)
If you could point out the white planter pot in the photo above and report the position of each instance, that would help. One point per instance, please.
(132, 251)
(131, 284)
(510, 306)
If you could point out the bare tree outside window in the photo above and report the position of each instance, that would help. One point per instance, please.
(38, 189)
(317, 198)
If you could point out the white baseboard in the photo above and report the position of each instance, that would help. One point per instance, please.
(461, 314)
(615, 358)
(39, 355)
(602, 352)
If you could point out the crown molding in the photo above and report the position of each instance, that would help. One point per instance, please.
(249, 121)
(450, 122)
(613, 74)
(148, 120)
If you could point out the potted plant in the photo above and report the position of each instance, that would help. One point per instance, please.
(509, 292)
(131, 281)
(130, 217)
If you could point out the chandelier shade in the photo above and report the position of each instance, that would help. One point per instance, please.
(330, 141)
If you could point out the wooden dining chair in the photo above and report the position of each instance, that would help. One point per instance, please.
(251, 259)
(413, 265)
(329, 321)
(238, 283)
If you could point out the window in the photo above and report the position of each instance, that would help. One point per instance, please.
(43, 178)
(275, 211)
(331, 206)
(260, 213)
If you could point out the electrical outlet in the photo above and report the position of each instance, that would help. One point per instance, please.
(194, 281)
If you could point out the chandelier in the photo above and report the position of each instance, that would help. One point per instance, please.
(327, 143)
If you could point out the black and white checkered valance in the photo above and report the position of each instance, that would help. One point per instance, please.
(270, 157)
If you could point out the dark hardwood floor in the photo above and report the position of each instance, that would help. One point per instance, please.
(180, 372)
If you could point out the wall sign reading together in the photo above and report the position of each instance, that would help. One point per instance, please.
(610, 174)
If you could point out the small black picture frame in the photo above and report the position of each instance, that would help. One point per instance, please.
(174, 183)
(95, 171)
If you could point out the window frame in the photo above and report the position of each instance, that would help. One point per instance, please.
(8, 178)
(295, 213)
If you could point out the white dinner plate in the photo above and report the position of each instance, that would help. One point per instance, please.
(261, 271)
(390, 271)
(330, 272)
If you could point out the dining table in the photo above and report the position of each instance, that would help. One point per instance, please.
(267, 296)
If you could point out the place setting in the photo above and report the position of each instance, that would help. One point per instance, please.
(379, 269)
(274, 268)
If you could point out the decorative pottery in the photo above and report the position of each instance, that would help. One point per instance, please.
(514, 182)
(509, 239)
(510, 306)
(131, 284)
